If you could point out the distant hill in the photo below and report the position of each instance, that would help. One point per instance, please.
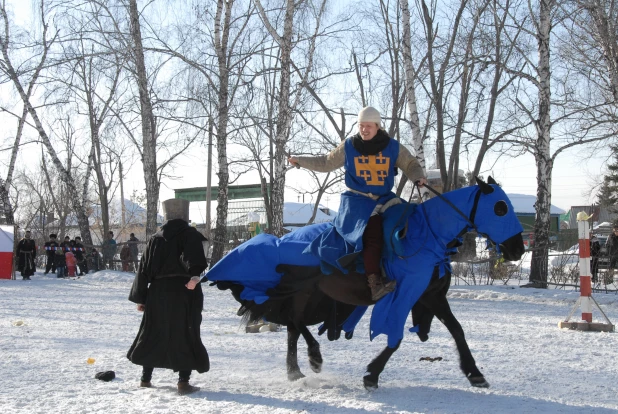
(134, 214)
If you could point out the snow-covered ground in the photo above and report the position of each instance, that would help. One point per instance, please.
(49, 328)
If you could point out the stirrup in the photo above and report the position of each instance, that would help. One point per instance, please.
(380, 286)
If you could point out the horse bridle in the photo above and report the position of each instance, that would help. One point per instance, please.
(469, 220)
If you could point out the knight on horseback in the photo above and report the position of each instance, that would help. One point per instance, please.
(370, 159)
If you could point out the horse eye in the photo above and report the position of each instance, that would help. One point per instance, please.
(500, 208)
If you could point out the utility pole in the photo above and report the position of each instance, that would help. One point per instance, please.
(122, 206)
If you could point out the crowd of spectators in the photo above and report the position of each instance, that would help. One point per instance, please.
(71, 258)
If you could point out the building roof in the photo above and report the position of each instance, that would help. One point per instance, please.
(300, 213)
(524, 204)
(294, 214)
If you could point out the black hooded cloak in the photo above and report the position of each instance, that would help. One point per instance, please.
(169, 335)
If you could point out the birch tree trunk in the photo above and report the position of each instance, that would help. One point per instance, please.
(544, 161)
(222, 33)
(15, 150)
(149, 138)
(410, 73)
(284, 116)
(6, 209)
(284, 120)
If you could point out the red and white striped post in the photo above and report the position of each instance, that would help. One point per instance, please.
(585, 284)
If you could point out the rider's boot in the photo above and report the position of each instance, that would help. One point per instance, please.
(380, 286)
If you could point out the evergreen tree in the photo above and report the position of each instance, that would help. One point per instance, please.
(608, 193)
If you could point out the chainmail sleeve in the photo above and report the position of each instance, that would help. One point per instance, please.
(409, 164)
(325, 163)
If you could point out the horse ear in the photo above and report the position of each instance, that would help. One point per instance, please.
(485, 188)
(490, 180)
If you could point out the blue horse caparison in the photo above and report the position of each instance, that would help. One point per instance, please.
(417, 239)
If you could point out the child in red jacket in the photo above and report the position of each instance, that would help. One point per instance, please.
(71, 263)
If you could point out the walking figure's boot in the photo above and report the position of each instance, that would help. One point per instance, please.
(380, 286)
(185, 388)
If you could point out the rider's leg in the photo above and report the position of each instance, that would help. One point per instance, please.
(372, 254)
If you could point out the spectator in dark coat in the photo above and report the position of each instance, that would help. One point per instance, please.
(612, 248)
(133, 241)
(66, 244)
(125, 257)
(109, 250)
(95, 259)
(26, 252)
(612, 252)
(50, 250)
(595, 250)
(169, 335)
(80, 255)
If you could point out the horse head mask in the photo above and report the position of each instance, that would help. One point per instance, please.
(499, 223)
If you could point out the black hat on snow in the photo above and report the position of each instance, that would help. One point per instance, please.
(105, 375)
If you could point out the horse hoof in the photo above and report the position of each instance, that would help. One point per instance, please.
(478, 382)
(295, 376)
(370, 384)
(316, 365)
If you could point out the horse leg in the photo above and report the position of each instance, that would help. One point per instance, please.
(375, 367)
(443, 312)
(422, 317)
(292, 357)
(313, 350)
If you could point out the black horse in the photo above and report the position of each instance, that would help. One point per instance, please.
(304, 296)
(310, 306)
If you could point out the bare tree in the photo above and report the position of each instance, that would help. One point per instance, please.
(284, 112)
(418, 137)
(604, 30)
(542, 153)
(149, 138)
(42, 47)
(90, 78)
(554, 98)
(215, 49)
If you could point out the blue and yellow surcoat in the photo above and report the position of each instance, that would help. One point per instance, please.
(373, 174)
(368, 174)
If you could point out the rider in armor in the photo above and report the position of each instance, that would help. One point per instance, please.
(370, 159)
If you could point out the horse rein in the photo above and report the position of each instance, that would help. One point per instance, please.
(469, 220)
(453, 206)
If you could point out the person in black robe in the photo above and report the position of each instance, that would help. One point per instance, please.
(169, 334)
(26, 252)
(50, 252)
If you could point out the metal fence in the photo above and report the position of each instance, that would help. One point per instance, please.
(563, 267)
